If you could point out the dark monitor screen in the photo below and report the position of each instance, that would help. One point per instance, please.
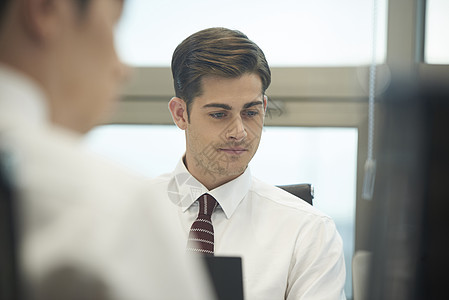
(8, 247)
(226, 276)
(410, 221)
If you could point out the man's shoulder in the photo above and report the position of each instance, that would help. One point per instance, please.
(160, 179)
(59, 161)
(282, 199)
(158, 187)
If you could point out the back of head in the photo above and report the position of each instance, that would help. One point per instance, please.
(62, 49)
(215, 52)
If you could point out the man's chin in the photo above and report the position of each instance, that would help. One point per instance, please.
(233, 171)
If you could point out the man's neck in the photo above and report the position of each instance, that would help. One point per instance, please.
(214, 180)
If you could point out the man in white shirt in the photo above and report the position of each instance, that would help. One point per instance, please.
(289, 249)
(86, 229)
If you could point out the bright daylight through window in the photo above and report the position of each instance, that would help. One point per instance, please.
(436, 36)
(290, 32)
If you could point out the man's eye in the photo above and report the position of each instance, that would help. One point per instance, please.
(218, 115)
(251, 113)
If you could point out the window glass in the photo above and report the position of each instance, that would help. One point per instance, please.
(290, 32)
(324, 157)
(436, 49)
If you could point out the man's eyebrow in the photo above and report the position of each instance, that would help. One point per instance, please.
(218, 105)
(228, 107)
(253, 103)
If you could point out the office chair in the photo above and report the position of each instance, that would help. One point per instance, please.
(302, 190)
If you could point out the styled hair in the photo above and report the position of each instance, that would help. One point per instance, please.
(215, 52)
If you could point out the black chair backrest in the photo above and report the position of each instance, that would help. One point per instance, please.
(302, 190)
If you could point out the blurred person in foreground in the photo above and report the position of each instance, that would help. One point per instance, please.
(289, 249)
(85, 230)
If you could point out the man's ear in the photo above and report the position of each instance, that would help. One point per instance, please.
(178, 110)
(41, 18)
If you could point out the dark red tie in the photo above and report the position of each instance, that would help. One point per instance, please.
(201, 236)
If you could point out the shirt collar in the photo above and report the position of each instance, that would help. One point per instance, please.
(184, 190)
(21, 99)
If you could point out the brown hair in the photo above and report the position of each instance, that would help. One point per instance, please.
(215, 52)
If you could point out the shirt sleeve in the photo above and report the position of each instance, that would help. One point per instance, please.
(317, 269)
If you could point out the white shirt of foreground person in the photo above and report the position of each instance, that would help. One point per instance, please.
(289, 249)
(87, 229)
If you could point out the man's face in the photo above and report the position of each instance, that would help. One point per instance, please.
(225, 128)
(89, 66)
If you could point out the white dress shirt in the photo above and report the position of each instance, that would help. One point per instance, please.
(289, 249)
(82, 214)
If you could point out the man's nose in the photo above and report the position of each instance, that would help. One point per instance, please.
(236, 131)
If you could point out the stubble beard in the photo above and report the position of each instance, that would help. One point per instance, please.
(217, 165)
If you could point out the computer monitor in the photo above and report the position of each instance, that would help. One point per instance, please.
(410, 220)
(9, 283)
(226, 276)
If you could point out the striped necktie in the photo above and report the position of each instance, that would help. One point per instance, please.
(201, 236)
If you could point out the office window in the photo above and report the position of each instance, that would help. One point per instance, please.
(290, 32)
(436, 49)
(325, 157)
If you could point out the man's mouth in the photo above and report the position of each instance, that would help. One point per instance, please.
(234, 150)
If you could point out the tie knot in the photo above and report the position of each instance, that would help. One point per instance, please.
(207, 204)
